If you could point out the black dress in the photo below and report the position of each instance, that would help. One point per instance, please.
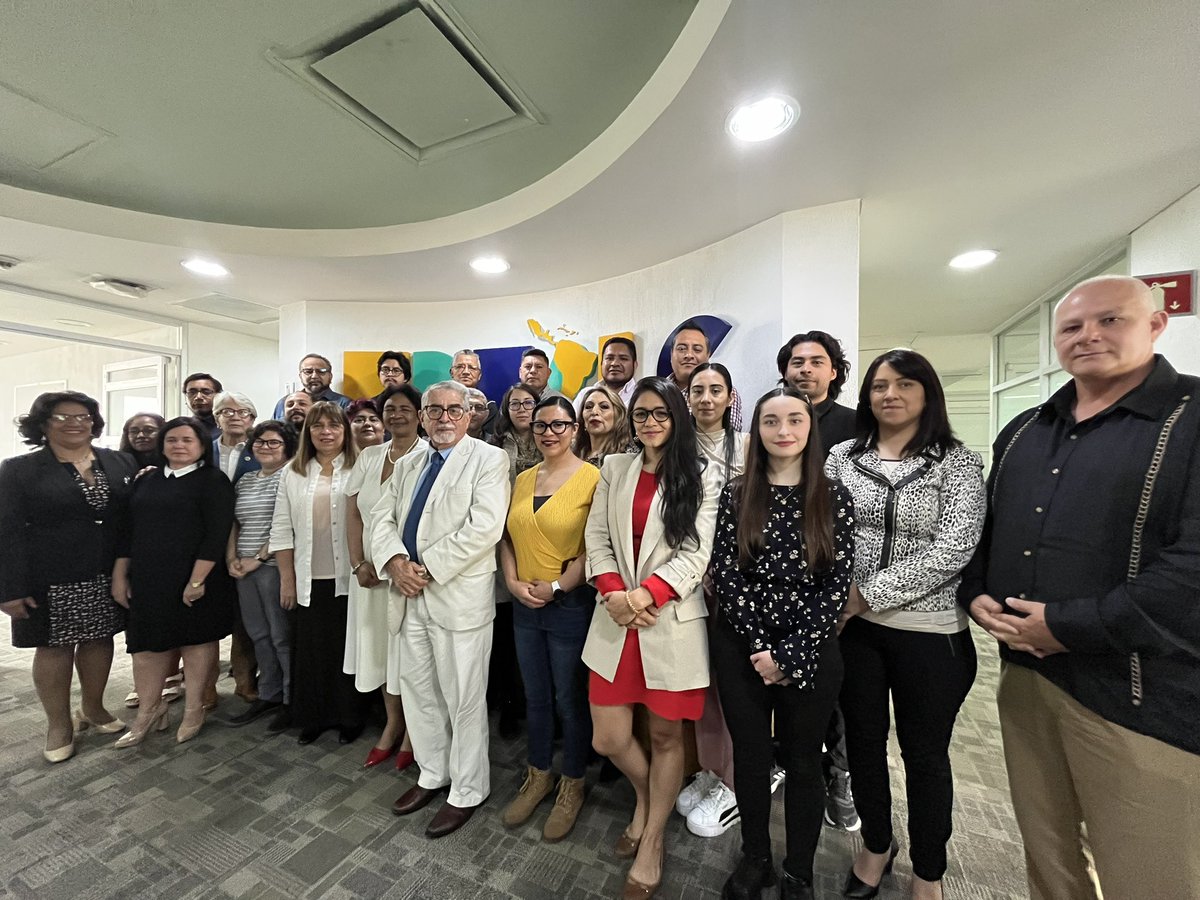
(174, 522)
(58, 541)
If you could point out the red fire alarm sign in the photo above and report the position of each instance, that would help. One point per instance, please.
(1173, 291)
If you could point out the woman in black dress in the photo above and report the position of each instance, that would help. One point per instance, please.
(781, 569)
(61, 510)
(179, 601)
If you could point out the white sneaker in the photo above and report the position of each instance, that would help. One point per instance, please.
(689, 798)
(715, 813)
(778, 777)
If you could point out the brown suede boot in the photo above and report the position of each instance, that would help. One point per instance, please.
(537, 787)
(566, 810)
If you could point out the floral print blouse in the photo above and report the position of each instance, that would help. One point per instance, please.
(779, 603)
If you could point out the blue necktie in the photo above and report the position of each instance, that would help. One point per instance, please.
(418, 504)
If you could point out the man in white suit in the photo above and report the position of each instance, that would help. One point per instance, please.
(437, 527)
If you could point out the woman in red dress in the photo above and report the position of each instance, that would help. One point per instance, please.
(648, 537)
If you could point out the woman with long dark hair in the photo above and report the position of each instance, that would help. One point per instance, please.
(308, 538)
(648, 540)
(919, 510)
(542, 560)
(139, 438)
(181, 601)
(781, 569)
(62, 510)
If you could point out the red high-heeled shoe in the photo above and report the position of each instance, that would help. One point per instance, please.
(404, 759)
(380, 754)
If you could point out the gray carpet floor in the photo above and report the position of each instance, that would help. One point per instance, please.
(239, 812)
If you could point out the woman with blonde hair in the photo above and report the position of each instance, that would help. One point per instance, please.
(308, 538)
(605, 425)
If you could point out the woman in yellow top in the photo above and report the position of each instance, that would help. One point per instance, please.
(542, 556)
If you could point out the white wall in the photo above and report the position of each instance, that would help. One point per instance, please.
(242, 363)
(1170, 242)
(793, 272)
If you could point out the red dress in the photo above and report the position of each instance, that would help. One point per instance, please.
(629, 686)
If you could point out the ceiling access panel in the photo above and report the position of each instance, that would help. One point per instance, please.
(414, 77)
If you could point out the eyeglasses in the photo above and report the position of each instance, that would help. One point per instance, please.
(399, 412)
(75, 418)
(326, 426)
(270, 444)
(199, 392)
(558, 426)
(478, 407)
(383, 370)
(314, 371)
(433, 413)
(464, 367)
(150, 431)
(661, 414)
(514, 405)
(229, 413)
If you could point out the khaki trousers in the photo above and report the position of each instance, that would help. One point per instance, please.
(1103, 811)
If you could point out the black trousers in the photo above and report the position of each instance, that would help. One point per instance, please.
(323, 696)
(800, 718)
(927, 676)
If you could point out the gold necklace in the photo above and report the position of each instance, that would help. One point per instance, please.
(405, 453)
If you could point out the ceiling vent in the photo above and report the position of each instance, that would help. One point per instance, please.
(8, 262)
(130, 290)
(415, 77)
(231, 308)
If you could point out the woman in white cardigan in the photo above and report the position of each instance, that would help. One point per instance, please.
(308, 538)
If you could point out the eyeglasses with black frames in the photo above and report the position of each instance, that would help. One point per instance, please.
(660, 414)
(558, 426)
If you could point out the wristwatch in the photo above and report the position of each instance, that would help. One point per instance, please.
(556, 590)
(197, 584)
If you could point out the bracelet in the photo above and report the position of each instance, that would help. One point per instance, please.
(354, 569)
(633, 608)
(196, 584)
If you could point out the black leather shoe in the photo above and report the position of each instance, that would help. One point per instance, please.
(449, 819)
(308, 735)
(255, 710)
(348, 734)
(793, 888)
(281, 721)
(753, 873)
(859, 889)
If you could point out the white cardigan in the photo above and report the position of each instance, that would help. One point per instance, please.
(291, 527)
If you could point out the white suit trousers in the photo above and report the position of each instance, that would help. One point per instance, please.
(443, 682)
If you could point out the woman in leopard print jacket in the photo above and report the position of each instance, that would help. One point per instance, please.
(920, 504)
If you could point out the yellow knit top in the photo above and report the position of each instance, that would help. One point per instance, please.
(544, 540)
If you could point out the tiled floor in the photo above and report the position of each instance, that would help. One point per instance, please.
(241, 813)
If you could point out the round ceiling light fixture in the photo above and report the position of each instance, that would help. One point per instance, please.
(490, 265)
(973, 259)
(763, 119)
(206, 267)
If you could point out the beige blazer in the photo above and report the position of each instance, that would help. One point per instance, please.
(460, 526)
(675, 650)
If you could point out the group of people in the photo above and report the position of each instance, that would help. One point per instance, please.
(632, 561)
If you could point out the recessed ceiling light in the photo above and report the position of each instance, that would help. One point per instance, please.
(74, 323)
(130, 290)
(490, 265)
(763, 119)
(973, 259)
(205, 267)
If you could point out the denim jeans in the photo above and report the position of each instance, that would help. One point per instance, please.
(270, 628)
(549, 646)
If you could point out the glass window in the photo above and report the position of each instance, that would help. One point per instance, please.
(1012, 401)
(1018, 348)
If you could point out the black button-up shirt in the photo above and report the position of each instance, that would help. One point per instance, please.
(1064, 497)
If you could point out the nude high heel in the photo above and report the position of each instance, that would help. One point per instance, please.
(190, 727)
(82, 723)
(157, 720)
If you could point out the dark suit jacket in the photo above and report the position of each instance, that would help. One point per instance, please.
(246, 464)
(48, 533)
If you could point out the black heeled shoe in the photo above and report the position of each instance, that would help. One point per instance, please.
(753, 873)
(859, 889)
(793, 888)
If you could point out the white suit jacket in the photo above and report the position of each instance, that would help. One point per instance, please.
(675, 649)
(460, 526)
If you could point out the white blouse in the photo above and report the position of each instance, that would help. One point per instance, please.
(292, 524)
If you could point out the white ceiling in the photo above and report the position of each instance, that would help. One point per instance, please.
(1044, 130)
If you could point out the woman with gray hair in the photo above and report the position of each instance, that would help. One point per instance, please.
(235, 414)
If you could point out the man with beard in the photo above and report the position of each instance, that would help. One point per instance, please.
(316, 376)
(295, 408)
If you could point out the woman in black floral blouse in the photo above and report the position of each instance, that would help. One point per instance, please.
(781, 566)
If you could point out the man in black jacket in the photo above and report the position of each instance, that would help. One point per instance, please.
(1088, 573)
